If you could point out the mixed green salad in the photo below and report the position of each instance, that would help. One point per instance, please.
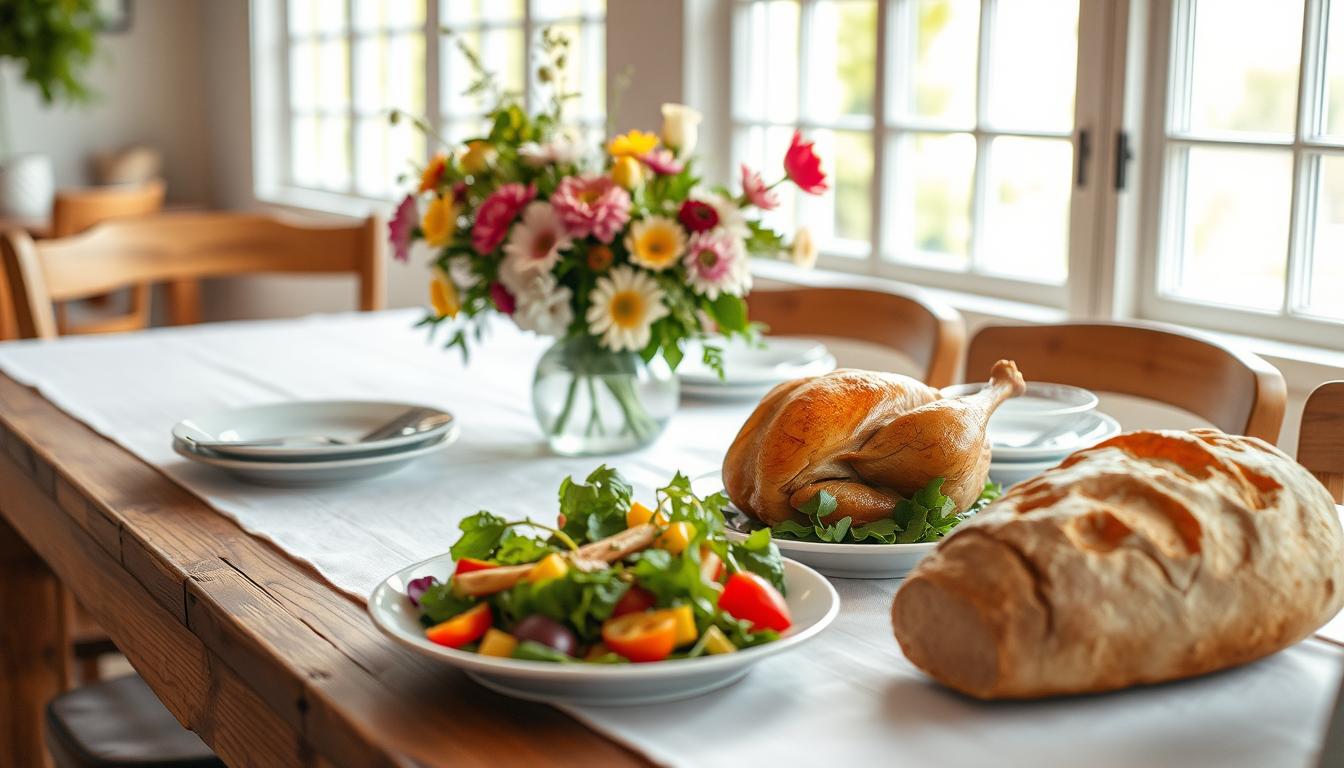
(926, 516)
(613, 581)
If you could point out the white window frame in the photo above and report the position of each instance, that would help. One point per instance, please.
(1093, 84)
(1161, 206)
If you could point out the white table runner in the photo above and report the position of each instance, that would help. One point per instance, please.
(848, 698)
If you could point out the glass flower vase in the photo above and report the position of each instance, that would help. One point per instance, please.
(589, 400)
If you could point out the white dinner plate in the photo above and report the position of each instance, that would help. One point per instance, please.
(341, 419)
(310, 473)
(813, 604)
(1050, 443)
(747, 368)
(1010, 474)
(840, 561)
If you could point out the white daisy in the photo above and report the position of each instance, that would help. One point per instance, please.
(563, 150)
(623, 306)
(534, 245)
(544, 306)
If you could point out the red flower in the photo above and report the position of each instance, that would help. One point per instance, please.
(698, 216)
(803, 166)
(503, 300)
(497, 213)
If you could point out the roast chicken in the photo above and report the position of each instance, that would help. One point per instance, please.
(868, 438)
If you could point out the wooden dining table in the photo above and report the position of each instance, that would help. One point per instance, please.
(274, 664)
(259, 655)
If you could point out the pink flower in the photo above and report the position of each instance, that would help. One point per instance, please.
(592, 205)
(715, 263)
(756, 192)
(803, 166)
(662, 162)
(698, 216)
(497, 213)
(533, 247)
(503, 300)
(401, 226)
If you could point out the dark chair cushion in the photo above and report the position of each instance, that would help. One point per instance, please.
(117, 724)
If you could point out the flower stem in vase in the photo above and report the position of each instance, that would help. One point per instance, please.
(637, 421)
(558, 426)
(595, 414)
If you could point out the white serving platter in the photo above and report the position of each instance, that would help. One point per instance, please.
(840, 561)
(813, 604)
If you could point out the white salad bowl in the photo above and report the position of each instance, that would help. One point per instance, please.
(813, 604)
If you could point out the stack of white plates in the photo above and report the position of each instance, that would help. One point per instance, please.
(751, 371)
(314, 443)
(1034, 432)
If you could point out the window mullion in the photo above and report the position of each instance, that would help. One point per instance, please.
(433, 71)
(979, 191)
(1306, 168)
(804, 89)
(529, 55)
(877, 188)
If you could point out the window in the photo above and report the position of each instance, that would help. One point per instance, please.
(1247, 218)
(950, 124)
(349, 63)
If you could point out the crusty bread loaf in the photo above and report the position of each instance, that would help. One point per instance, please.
(1153, 556)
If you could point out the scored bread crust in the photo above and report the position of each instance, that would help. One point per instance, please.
(1153, 556)
(803, 429)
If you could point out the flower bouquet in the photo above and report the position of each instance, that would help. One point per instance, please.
(621, 254)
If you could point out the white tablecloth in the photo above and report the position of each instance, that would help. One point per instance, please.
(849, 698)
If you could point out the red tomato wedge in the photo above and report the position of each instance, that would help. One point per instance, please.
(635, 600)
(648, 636)
(751, 598)
(469, 564)
(463, 628)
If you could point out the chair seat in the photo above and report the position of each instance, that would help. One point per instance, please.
(117, 724)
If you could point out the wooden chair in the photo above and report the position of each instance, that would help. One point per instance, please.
(183, 246)
(928, 331)
(1320, 442)
(76, 210)
(1236, 391)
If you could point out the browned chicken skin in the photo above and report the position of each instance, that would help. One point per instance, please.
(867, 438)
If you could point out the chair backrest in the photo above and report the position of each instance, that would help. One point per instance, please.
(1320, 443)
(183, 246)
(75, 210)
(926, 330)
(1234, 390)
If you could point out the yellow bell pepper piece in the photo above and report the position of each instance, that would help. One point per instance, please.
(551, 566)
(676, 538)
(684, 619)
(717, 642)
(640, 514)
(498, 643)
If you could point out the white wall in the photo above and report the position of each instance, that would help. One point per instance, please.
(150, 83)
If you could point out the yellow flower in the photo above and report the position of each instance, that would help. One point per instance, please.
(655, 243)
(804, 252)
(478, 157)
(433, 172)
(443, 295)
(439, 220)
(627, 172)
(632, 144)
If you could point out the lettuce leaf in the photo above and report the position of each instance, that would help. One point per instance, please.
(926, 516)
(595, 509)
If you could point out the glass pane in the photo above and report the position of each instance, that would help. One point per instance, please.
(763, 150)
(334, 146)
(386, 155)
(584, 69)
(937, 79)
(308, 17)
(842, 58)
(501, 53)
(569, 9)
(1325, 289)
(333, 74)
(1027, 208)
(934, 175)
(305, 166)
(458, 12)
(1234, 242)
(843, 212)
(1244, 68)
(374, 15)
(390, 72)
(1035, 58)
(1332, 121)
(303, 76)
(766, 61)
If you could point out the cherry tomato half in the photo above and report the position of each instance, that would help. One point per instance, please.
(463, 628)
(648, 636)
(635, 600)
(469, 564)
(751, 598)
